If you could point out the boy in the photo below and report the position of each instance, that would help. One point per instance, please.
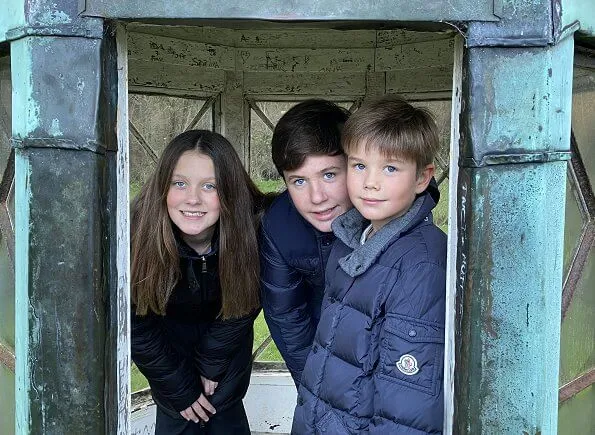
(296, 235)
(377, 358)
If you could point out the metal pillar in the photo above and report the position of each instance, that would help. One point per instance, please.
(515, 140)
(64, 82)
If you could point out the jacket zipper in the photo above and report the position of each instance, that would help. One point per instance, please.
(203, 284)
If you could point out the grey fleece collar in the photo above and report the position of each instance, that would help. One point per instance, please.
(348, 228)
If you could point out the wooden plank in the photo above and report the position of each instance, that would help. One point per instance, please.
(162, 75)
(375, 84)
(393, 37)
(206, 34)
(233, 119)
(207, 105)
(305, 60)
(431, 79)
(416, 55)
(311, 84)
(180, 52)
(306, 38)
(455, 239)
(119, 334)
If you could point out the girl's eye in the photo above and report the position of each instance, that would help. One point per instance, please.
(359, 167)
(179, 184)
(299, 182)
(390, 169)
(329, 175)
(208, 186)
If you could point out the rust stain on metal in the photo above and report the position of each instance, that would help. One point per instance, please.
(7, 178)
(489, 323)
(7, 358)
(588, 237)
(576, 386)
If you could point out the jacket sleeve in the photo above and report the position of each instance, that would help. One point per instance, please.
(221, 343)
(168, 373)
(285, 307)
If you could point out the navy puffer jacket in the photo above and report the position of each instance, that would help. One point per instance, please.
(376, 365)
(293, 256)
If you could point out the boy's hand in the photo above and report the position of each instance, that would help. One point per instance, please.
(200, 410)
(208, 386)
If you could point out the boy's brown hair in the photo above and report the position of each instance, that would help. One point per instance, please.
(311, 128)
(395, 128)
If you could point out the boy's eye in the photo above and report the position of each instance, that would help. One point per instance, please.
(390, 169)
(329, 175)
(208, 186)
(359, 166)
(299, 182)
(179, 184)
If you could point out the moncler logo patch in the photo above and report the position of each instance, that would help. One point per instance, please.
(407, 365)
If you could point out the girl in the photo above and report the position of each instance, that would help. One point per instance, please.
(195, 285)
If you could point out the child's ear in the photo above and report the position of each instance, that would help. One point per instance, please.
(424, 177)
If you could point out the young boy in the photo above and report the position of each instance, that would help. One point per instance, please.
(377, 358)
(296, 235)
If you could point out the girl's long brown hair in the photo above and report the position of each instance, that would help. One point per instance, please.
(155, 259)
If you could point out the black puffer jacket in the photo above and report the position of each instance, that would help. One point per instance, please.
(172, 351)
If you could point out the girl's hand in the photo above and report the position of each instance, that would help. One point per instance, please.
(199, 410)
(208, 386)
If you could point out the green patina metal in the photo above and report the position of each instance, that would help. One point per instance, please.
(25, 109)
(508, 338)
(59, 82)
(12, 17)
(531, 116)
(508, 348)
(402, 10)
(582, 11)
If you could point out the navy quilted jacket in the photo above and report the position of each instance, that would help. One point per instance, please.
(376, 365)
(293, 256)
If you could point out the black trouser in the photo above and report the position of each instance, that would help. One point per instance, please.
(232, 421)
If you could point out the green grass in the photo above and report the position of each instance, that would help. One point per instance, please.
(134, 189)
(137, 380)
(261, 332)
(266, 186)
(440, 213)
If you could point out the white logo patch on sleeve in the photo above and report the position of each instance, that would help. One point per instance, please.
(407, 365)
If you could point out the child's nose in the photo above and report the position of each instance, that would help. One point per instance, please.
(194, 196)
(371, 181)
(317, 193)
